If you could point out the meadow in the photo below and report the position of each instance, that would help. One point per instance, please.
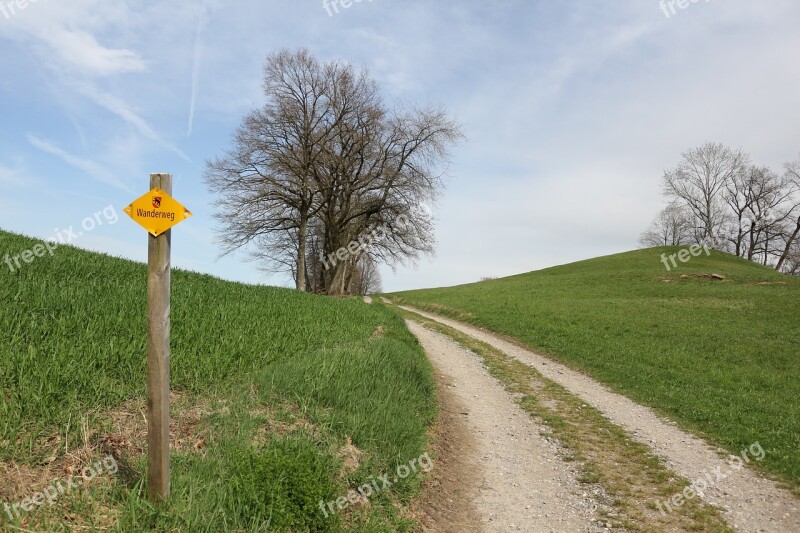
(719, 356)
(281, 400)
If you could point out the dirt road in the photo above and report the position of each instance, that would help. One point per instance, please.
(513, 451)
(521, 481)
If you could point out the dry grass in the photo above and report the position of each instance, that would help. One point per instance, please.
(121, 433)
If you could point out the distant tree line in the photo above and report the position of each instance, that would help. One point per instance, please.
(324, 162)
(718, 197)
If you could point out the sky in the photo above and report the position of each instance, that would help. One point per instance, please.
(571, 110)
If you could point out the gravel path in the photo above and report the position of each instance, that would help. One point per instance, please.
(749, 502)
(523, 485)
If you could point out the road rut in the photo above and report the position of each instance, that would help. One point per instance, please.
(523, 484)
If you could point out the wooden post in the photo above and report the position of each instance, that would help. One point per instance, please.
(158, 333)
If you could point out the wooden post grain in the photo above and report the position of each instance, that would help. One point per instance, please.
(158, 334)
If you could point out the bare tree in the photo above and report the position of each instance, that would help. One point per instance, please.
(698, 181)
(767, 215)
(791, 263)
(790, 254)
(265, 182)
(672, 227)
(367, 277)
(323, 162)
(738, 194)
(748, 210)
(382, 167)
(756, 197)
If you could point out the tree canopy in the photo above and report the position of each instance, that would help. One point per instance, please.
(325, 180)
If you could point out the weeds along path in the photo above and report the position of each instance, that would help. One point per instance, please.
(748, 501)
(522, 482)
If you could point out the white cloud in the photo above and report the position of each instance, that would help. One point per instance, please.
(65, 36)
(80, 50)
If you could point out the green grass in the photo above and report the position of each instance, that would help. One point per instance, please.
(720, 357)
(311, 370)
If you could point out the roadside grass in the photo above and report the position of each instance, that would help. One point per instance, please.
(631, 477)
(721, 358)
(281, 400)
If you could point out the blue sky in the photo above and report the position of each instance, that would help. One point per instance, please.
(571, 109)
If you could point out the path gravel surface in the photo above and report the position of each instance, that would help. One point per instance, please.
(522, 482)
(749, 502)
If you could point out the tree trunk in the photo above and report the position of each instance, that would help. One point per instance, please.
(336, 283)
(739, 237)
(301, 253)
(788, 247)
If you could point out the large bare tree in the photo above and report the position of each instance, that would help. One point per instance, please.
(323, 162)
(265, 182)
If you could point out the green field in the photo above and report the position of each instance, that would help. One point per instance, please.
(722, 358)
(284, 399)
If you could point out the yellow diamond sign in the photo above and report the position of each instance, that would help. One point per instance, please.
(157, 211)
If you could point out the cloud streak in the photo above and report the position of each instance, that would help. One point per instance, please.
(90, 168)
(119, 107)
(195, 76)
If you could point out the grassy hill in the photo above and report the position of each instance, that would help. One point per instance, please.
(721, 357)
(281, 400)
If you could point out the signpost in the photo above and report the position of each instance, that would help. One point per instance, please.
(157, 212)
